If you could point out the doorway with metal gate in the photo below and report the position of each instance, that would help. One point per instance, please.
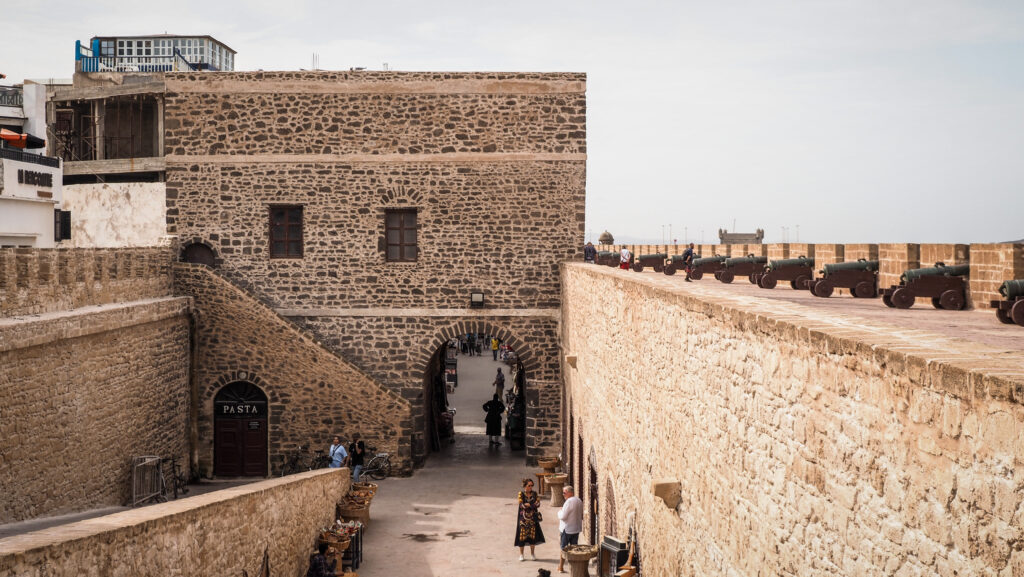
(240, 431)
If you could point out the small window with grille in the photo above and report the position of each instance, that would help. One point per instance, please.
(400, 231)
(286, 232)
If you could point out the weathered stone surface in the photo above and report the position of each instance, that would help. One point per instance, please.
(805, 443)
(312, 393)
(216, 534)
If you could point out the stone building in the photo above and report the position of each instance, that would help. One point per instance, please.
(726, 237)
(365, 208)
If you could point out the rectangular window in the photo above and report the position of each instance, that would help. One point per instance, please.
(400, 230)
(286, 232)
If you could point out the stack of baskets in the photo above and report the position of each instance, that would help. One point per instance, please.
(337, 543)
(356, 505)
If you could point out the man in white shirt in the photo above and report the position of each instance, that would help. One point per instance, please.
(624, 257)
(337, 454)
(570, 522)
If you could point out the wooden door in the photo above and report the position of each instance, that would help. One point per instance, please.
(240, 431)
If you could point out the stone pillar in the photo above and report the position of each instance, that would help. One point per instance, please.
(99, 120)
(858, 251)
(778, 250)
(828, 254)
(894, 259)
(991, 264)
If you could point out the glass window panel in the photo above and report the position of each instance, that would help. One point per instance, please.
(294, 247)
(277, 248)
(394, 220)
(393, 252)
(409, 252)
(394, 236)
(278, 230)
(410, 236)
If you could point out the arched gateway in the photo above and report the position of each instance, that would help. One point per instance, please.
(240, 431)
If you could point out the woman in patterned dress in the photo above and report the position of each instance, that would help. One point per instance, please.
(528, 531)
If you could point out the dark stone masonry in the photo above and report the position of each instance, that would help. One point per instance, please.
(493, 165)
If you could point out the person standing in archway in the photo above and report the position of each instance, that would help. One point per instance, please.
(499, 383)
(494, 348)
(494, 409)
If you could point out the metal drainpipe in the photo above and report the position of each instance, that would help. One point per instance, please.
(193, 411)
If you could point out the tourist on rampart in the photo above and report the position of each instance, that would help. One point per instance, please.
(528, 531)
(688, 261)
(494, 347)
(318, 564)
(357, 454)
(589, 253)
(570, 522)
(494, 409)
(624, 257)
(337, 454)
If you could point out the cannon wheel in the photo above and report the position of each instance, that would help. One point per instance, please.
(696, 274)
(952, 300)
(755, 278)
(1003, 317)
(864, 290)
(799, 282)
(670, 269)
(659, 268)
(1017, 312)
(767, 281)
(823, 289)
(638, 267)
(810, 284)
(936, 302)
(902, 298)
(887, 299)
(726, 276)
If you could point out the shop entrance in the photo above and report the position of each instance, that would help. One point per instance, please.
(240, 431)
(460, 378)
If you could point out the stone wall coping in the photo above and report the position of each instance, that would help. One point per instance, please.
(141, 518)
(962, 368)
(324, 84)
(553, 313)
(32, 330)
(453, 157)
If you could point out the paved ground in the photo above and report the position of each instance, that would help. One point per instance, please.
(456, 517)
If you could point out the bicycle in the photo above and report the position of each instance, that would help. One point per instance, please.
(296, 461)
(179, 481)
(379, 466)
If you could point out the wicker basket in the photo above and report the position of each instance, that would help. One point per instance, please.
(580, 552)
(363, 486)
(351, 513)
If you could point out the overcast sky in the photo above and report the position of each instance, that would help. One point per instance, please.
(838, 121)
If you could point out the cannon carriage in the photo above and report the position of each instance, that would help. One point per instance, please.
(740, 266)
(860, 277)
(943, 284)
(706, 265)
(1011, 309)
(795, 270)
(655, 261)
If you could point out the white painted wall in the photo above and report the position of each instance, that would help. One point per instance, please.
(116, 214)
(26, 214)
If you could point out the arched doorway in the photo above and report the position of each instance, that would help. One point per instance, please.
(240, 431)
(462, 376)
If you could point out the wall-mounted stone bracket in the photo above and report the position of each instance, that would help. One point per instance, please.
(669, 490)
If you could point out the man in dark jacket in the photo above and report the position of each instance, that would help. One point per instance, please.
(688, 261)
(589, 253)
(494, 409)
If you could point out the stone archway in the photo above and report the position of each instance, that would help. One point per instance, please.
(430, 362)
(197, 251)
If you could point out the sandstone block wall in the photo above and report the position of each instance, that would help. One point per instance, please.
(991, 264)
(81, 393)
(493, 163)
(804, 444)
(35, 281)
(894, 259)
(312, 393)
(861, 251)
(216, 534)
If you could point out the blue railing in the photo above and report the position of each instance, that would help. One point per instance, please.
(174, 63)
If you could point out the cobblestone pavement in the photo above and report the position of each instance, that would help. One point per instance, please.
(456, 517)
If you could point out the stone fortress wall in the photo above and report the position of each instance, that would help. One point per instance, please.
(991, 263)
(93, 371)
(804, 441)
(219, 533)
(493, 163)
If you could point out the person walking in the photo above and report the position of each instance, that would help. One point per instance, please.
(337, 454)
(357, 452)
(688, 261)
(494, 347)
(589, 253)
(624, 257)
(499, 383)
(471, 340)
(570, 523)
(494, 409)
(528, 531)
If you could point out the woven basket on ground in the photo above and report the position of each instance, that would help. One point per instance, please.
(580, 552)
